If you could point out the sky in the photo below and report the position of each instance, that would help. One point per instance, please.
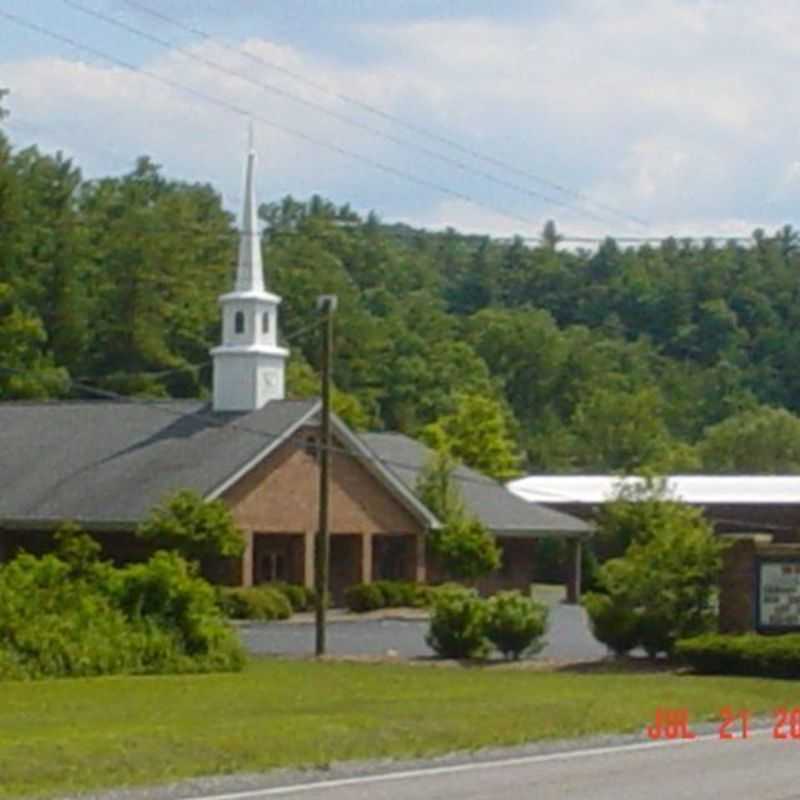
(611, 117)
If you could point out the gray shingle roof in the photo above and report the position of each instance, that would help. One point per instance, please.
(108, 463)
(498, 509)
(97, 462)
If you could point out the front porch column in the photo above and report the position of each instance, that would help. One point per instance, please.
(308, 559)
(420, 566)
(366, 558)
(247, 559)
(574, 548)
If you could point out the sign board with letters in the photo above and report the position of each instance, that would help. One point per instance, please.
(778, 606)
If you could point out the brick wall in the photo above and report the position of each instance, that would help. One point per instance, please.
(737, 587)
(280, 495)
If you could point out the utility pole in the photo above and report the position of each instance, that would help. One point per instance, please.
(326, 304)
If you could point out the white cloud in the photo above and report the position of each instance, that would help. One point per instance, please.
(678, 111)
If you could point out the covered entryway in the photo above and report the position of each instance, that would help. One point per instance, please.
(278, 557)
(345, 564)
(394, 557)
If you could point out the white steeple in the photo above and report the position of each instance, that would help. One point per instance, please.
(249, 365)
(250, 270)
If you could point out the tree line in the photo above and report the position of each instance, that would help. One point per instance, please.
(673, 357)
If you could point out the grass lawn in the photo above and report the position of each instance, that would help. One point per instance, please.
(58, 737)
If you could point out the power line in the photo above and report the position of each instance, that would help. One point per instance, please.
(453, 162)
(372, 109)
(411, 233)
(234, 109)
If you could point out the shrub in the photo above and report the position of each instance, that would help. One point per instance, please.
(401, 594)
(395, 593)
(465, 547)
(457, 624)
(77, 616)
(300, 598)
(364, 597)
(263, 603)
(515, 623)
(662, 589)
(386, 594)
(613, 622)
(749, 654)
(167, 592)
(193, 526)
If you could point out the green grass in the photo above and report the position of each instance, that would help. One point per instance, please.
(58, 737)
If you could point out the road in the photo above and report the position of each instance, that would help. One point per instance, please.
(759, 768)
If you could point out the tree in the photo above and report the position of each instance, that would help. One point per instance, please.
(478, 434)
(661, 589)
(623, 430)
(26, 371)
(196, 528)
(760, 440)
(55, 264)
(466, 548)
(303, 382)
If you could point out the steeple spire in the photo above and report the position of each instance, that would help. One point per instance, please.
(250, 269)
(249, 363)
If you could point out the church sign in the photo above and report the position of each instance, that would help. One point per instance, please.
(778, 606)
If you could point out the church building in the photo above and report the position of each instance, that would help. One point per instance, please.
(106, 464)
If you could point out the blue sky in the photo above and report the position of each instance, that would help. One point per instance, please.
(678, 112)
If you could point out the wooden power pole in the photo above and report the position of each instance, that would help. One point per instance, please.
(326, 304)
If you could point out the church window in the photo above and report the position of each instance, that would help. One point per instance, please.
(238, 322)
(265, 322)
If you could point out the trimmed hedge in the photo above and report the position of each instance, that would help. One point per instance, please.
(364, 597)
(255, 603)
(386, 594)
(300, 597)
(748, 654)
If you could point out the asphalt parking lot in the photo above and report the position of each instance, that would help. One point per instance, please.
(568, 637)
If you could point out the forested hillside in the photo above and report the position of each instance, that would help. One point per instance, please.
(676, 357)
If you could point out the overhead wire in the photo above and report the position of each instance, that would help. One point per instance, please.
(389, 228)
(381, 113)
(247, 114)
(232, 108)
(453, 162)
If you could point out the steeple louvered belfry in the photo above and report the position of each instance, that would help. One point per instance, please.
(249, 365)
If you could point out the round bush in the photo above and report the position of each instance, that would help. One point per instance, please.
(614, 624)
(457, 624)
(257, 603)
(515, 623)
(300, 597)
(364, 597)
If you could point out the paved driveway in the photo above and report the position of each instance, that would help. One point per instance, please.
(568, 637)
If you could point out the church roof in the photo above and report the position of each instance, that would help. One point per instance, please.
(498, 509)
(107, 464)
(111, 462)
(699, 489)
